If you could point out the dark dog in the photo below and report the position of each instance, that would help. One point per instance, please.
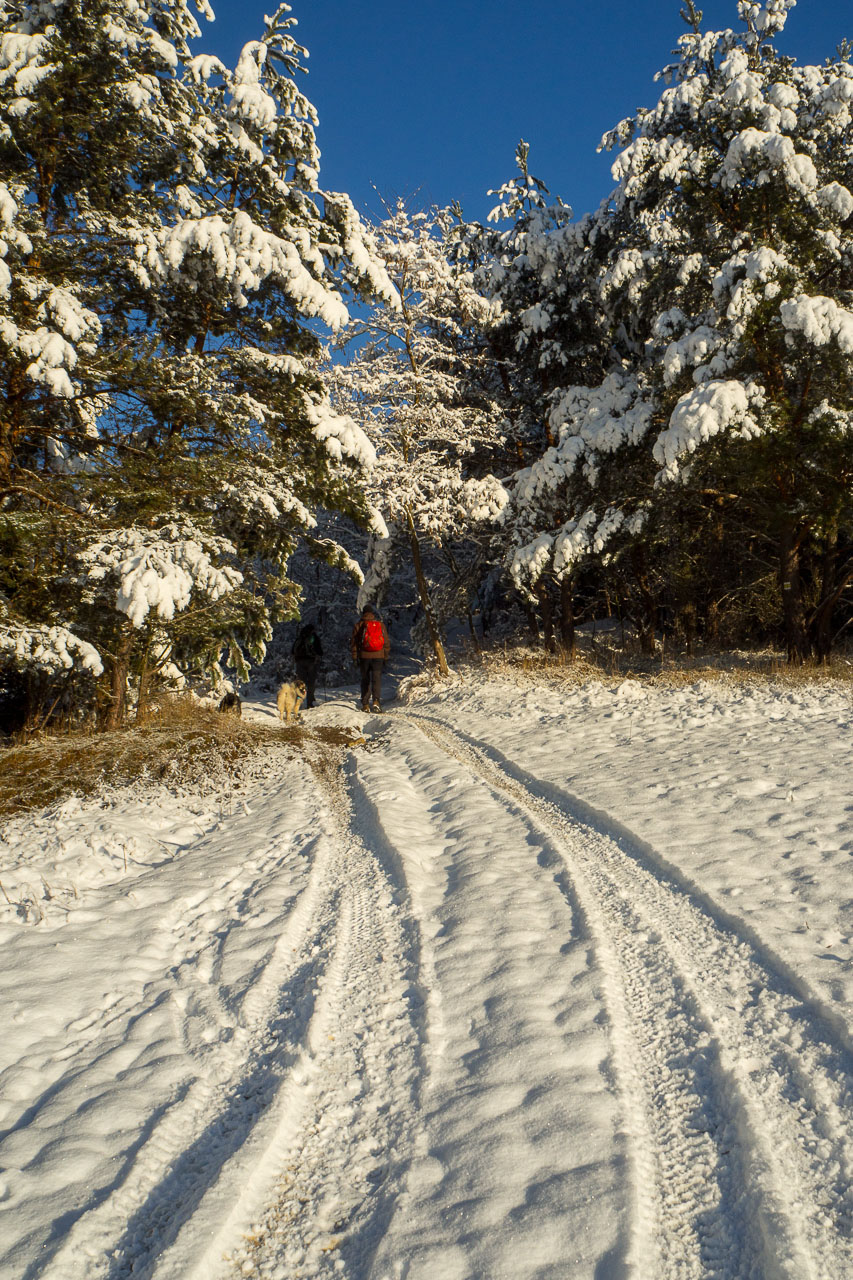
(231, 703)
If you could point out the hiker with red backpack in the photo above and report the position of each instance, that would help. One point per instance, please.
(370, 646)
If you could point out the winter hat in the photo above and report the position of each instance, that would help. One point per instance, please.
(369, 611)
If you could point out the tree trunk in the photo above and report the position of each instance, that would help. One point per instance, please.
(472, 627)
(647, 601)
(793, 613)
(686, 626)
(460, 592)
(423, 592)
(712, 623)
(546, 609)
(144, 686)
(820, 623)
(820, 628)
(532, 620)
(567, 615)
(118, 681)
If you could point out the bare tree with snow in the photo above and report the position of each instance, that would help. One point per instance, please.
(413, 385)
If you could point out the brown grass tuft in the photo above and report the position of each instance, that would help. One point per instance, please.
(180, 743)
(607, 664)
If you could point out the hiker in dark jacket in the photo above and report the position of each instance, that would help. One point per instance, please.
(307, 652)
(370, 646)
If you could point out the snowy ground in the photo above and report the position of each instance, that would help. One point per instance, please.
(542, 984)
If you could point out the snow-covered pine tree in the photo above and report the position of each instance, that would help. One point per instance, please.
(166, 256)
(727, 402)
(414, 385)
(533, 265)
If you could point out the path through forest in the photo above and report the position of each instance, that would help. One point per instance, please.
(432, 1016)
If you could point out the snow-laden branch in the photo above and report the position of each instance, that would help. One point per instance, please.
(160, 571)
(49, 649)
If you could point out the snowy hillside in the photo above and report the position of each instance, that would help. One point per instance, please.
(542, 983)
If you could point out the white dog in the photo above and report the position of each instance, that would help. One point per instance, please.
(290, 699)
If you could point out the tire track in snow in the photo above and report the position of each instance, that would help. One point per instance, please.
(211, 1119)
(322, 1201)
(708, 1024)
(99, 1045)
(517, 1165)
(285, 1143)
(326, 1209)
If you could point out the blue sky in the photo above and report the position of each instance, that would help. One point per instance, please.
(428, 101)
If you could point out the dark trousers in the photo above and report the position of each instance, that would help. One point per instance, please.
(306, 669)
(371, 678)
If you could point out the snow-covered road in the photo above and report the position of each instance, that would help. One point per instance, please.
(455, 1011)
(738, 1092)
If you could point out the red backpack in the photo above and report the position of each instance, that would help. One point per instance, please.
(372, 639)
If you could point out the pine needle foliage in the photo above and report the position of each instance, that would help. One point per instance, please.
(168, 265)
